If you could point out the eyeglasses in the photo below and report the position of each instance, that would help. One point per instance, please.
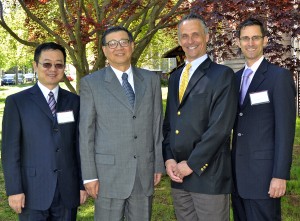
(49, 65)
(114, 43)
(253, 38)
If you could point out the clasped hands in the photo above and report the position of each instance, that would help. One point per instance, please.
(177, 171)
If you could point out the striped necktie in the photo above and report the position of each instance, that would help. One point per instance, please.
(128, 89)
(52, 103)
(184, 80)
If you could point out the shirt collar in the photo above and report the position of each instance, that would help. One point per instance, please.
(195, 63)
(255, 66)
(120, 73)
(46, 91)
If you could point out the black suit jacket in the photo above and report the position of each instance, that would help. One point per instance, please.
(264, 133)
(198, 129)
(37, 152)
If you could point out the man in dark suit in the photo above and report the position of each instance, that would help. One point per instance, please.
(121, 135)
(197, 128)
(40, 153)
(263, 132)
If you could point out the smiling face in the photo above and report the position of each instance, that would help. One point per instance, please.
(253, 47)
(119, 57)
(50, 77)
(192, 39)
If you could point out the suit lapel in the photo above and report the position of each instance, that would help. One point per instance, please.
(258, 78)
(38, 98)
(198, 74)
(177, 81)
(115, 88)
(139, 87)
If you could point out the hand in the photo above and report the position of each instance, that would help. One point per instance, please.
(83, 196)
(184, 169)
(277, 188)
(17, 202)
(92, 188)
(172, 171)
(157, 178)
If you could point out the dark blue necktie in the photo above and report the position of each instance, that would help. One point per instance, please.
(52, 103)
(128, 89)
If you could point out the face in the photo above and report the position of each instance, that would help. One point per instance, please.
(119, 57)
(50, 77)
(252, 47)
(192, 39)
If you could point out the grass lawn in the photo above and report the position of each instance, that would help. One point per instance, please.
(162, 207)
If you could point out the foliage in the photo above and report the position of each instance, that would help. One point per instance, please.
(280, 16)
(78, 25)
(162, 204)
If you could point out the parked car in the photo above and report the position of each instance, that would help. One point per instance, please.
(8, 79)
(20, 79)
(28, 77)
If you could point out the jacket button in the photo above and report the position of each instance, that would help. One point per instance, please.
(241, 114)
(58, 149)
(135, 137)
(178, 113)
(239, 134)
(134, 117)
(176, 131)
(134, 156)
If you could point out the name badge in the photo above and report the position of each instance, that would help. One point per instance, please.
(261, 97)
(65, 117)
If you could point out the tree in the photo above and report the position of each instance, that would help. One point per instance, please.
(78, 25)
(281, 17)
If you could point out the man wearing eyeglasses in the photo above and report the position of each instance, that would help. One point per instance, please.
(264, 130)
(40, 152)
(120, 133)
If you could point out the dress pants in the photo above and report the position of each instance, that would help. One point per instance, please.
(137, 207)
(190, 206)
(249, 209)
(56, 212)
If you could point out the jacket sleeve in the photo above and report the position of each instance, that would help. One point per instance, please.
(11, 147)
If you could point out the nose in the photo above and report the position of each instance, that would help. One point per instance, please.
(53, 68)
(250, 41)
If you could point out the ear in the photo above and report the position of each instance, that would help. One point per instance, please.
(132, 46)
(238, 43)
(104, 50)
(265, 41)
(34, 66)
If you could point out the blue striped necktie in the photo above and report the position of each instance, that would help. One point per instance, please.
(52, 103)
(128, 89)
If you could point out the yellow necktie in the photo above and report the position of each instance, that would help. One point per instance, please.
(184, 80)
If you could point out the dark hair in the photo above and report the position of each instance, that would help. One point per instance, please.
(194, 16)
(251, 22)
(115, 29)
(48, 46)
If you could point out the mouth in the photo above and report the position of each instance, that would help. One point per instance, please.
(192, 47)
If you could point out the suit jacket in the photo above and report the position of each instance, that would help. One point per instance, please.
(198, 129)
(118, 143)
(264, 133)
(37, 152)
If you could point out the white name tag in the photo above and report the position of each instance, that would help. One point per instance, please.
(65, 117)
(261, 97)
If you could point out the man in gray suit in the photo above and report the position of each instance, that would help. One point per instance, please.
(120, 133)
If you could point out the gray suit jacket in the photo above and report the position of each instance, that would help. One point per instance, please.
(118, 142)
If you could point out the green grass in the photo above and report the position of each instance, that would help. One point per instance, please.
(162, 203)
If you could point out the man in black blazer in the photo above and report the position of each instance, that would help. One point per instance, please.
(263, 132)
(40, 153)
(197, 129)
